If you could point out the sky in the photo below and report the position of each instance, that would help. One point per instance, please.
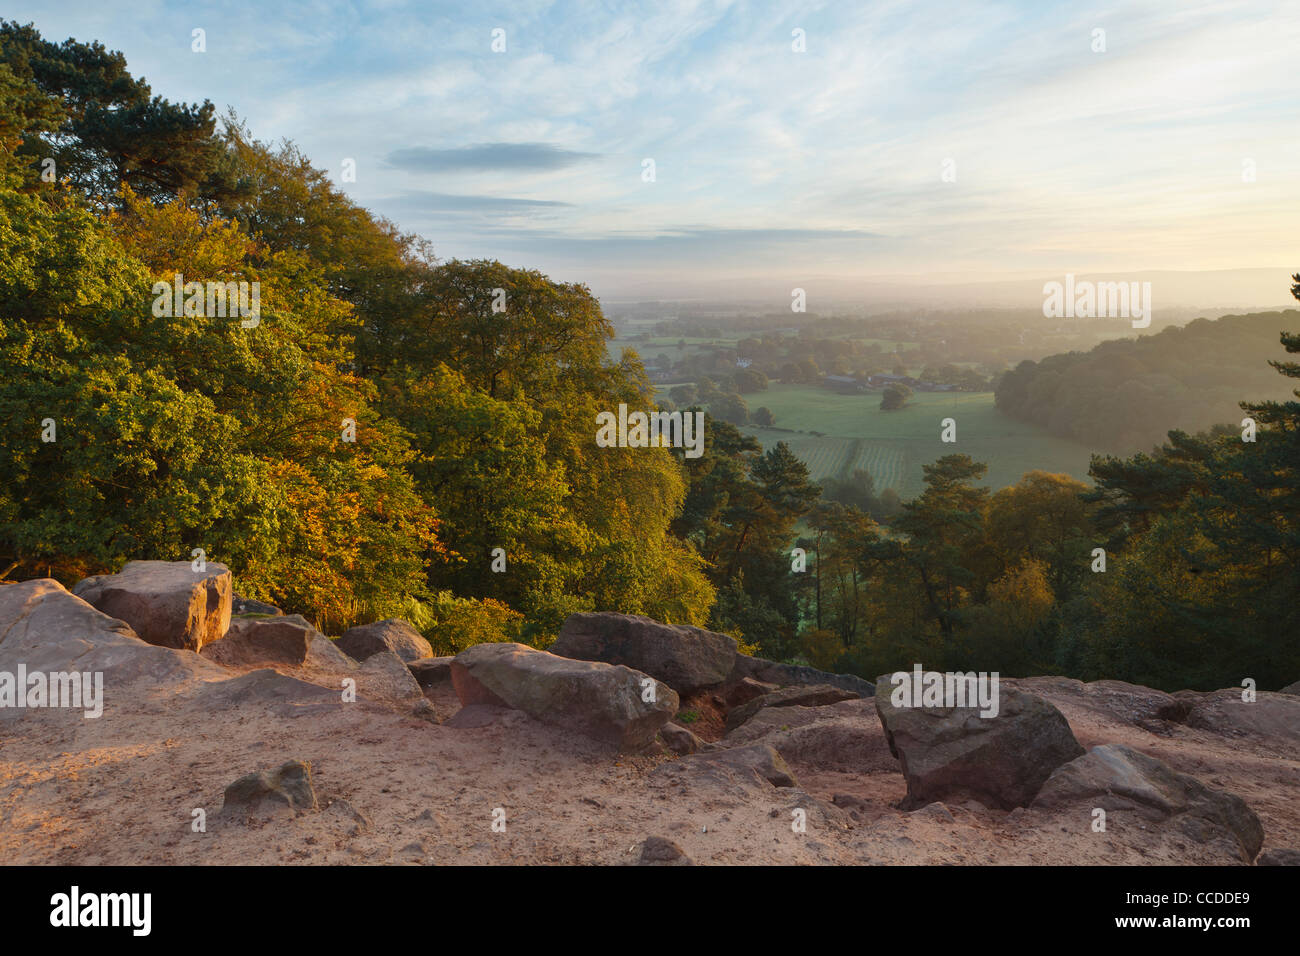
(906, 141)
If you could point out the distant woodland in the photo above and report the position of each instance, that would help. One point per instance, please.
(1126, 394)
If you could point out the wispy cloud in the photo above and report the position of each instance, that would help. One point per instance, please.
(486, 156)
(1065, 157)
(449, 202)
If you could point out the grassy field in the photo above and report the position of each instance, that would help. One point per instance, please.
(894, 445)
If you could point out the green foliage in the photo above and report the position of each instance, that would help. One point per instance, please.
(894, 397)
(451, 624)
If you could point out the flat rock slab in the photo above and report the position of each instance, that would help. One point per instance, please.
(1275, 715)
(953, 753)
(1117, 778)
(797, 695)
(759, 759)
(687, 659)
(603, 701)
(167, 603)
(242, 605)
(784, 675)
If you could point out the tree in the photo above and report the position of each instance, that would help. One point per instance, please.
(943, 525)
(764, 418)
(683, 395)
(730, 408)
(110, 129)
(895, 397)
(750, 380)
(1044, 517)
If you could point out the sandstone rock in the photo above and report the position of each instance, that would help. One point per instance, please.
(167, 603)
(385, 676)
(678, 739)
(687, 659)
(282, 640)
(429, 672)
(288, 787)
(392, 634)
(1270, 715)
(797, 695)
(47, 629)
(322, 652)
(600, 700)
(282, 695)
(1118, 778)
(242, 605)
(1279, 858)
(953, 752)
(845, 738)
(745, 690)
(658, 851)
(783, 675)
(758, 760)
(936, 811)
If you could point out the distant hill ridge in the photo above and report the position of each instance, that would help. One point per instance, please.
(1125, 395)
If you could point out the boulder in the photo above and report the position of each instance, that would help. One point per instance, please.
(46, 629)
(745, 690)
(1119, 779)
(783, 675)
(1279, 858)
(678, 739)
(600, 700)
(759, 758)
(741, 774)
(1223, 712)
(796, 695)
(392, 634)
(1291, 689)
(386, 677)
(844, 738)
(659, 851)
(687, 659)
(324, 652)
(953, 752)
(167, 603)
(280, 640)
(430, 672)
(242, 605)
(286, 788)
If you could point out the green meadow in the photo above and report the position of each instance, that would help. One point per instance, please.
(893, 446)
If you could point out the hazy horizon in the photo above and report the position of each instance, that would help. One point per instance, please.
(907, 140)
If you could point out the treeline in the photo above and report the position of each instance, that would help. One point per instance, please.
(380, 439)
(1126, 394)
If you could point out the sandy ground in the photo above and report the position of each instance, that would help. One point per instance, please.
(397, 789)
